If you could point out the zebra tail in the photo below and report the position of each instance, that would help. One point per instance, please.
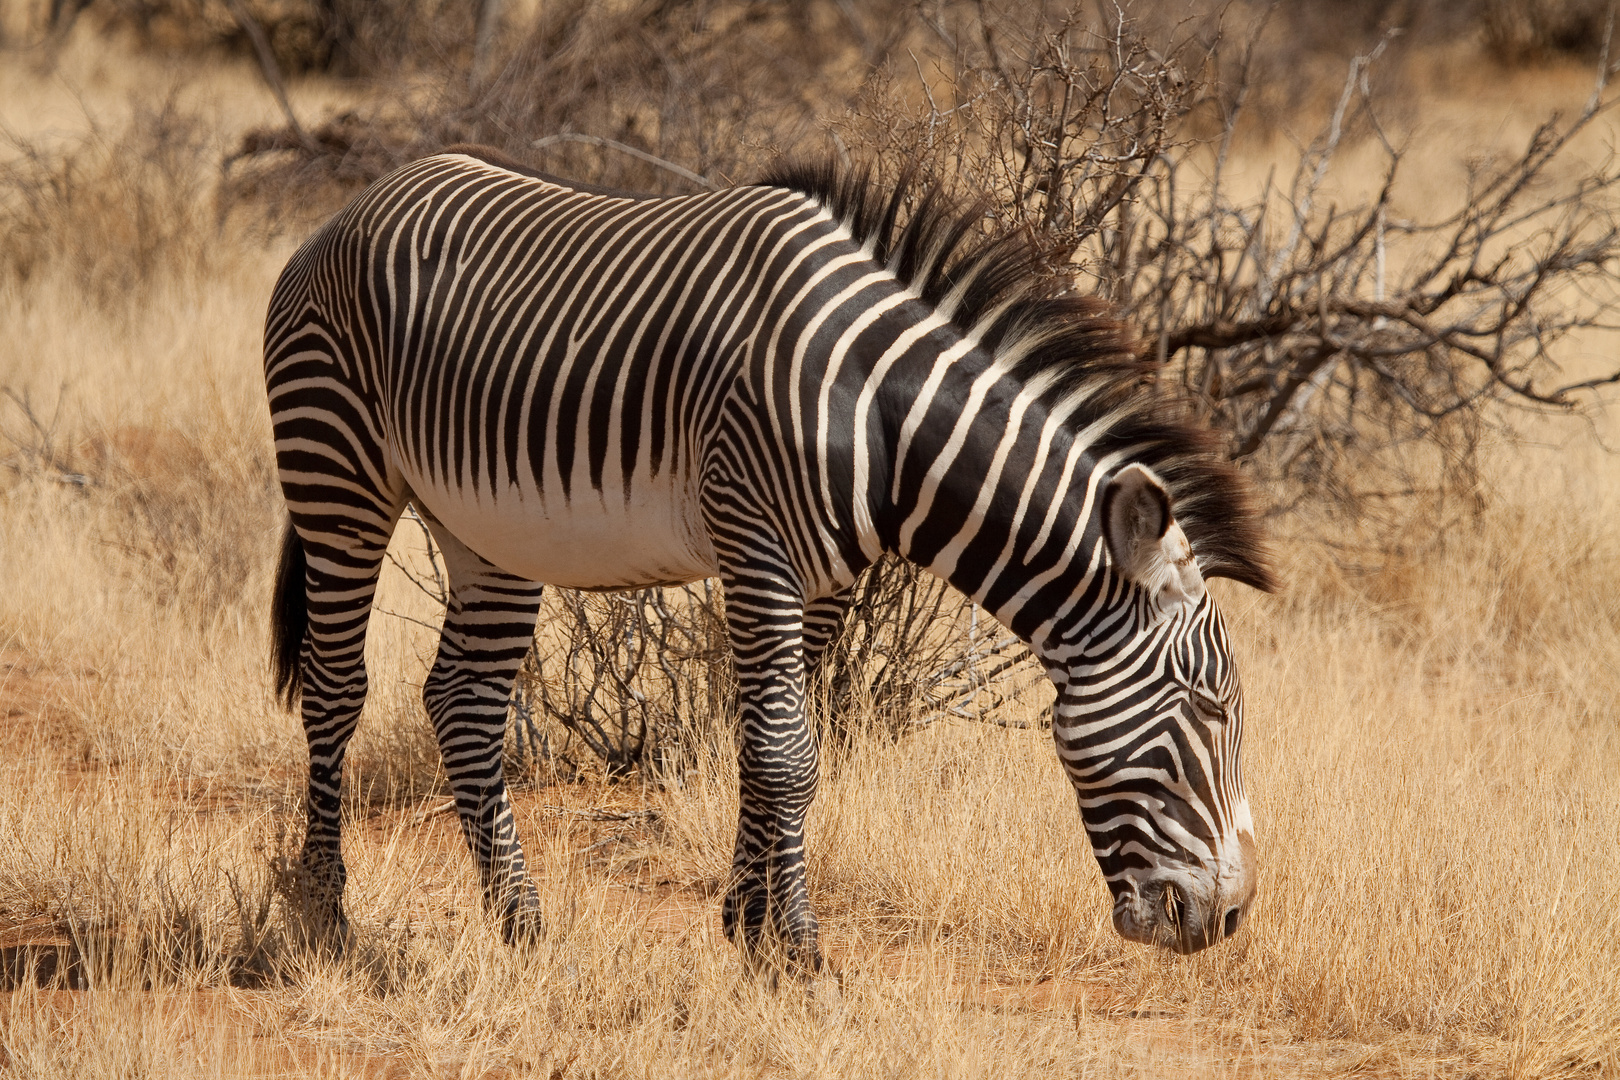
(290, 620)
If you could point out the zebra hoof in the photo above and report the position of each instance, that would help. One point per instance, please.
(524, 928)
(826, 991)
(323, 933)
(313, 900)
(770, 960)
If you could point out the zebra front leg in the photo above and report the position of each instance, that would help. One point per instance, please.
(488, 627)
(767, 911)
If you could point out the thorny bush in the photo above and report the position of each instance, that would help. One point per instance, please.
(1357, 354)
(642, 679)
(110, 210)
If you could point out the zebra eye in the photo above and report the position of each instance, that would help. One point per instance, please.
(1208, 706)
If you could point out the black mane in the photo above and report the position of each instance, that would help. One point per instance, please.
(1001, 290)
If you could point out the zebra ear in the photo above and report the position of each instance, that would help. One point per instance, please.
(1147, 545)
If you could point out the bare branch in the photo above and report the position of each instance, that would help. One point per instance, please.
(624, 148)
(272, 72)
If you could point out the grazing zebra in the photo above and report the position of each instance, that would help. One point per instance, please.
(776, 384)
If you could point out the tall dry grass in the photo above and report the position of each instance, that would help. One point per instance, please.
(1431, 752)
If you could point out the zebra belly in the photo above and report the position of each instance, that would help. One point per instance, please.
(597, 540)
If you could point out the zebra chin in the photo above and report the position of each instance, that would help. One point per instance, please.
(1186, 909)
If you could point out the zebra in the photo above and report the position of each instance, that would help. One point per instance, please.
(774, 384)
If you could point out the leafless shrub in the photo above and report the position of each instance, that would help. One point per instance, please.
(637, 679)
(350, 38)
(1058, 117)
(1358, 352)
(1333, 345)
(913, 650)
(642, 680)
(113, 209)
(1520, 31)
(718, 87)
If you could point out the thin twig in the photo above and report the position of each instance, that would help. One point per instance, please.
(640, 155)
(272, 73)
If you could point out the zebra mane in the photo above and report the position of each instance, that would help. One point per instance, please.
(1000, 289)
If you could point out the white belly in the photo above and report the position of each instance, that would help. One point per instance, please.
(597, 540)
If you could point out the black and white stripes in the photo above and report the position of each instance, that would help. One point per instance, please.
(775, 384)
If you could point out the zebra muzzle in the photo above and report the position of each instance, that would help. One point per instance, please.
(1172, 914)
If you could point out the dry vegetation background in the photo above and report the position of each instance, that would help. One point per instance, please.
(1433, 733)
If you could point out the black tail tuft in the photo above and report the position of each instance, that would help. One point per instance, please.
(290, 620)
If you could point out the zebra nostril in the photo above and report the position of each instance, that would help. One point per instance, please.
(1234, 918)
(1173, 905)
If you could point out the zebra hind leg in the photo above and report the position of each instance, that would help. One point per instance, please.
(488, 628)
(340, 563)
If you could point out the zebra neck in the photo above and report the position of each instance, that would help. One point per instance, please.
(995, 490)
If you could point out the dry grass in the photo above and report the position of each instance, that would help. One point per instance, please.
(1432, 745)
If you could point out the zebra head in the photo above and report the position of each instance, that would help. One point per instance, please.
(1148, 722)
